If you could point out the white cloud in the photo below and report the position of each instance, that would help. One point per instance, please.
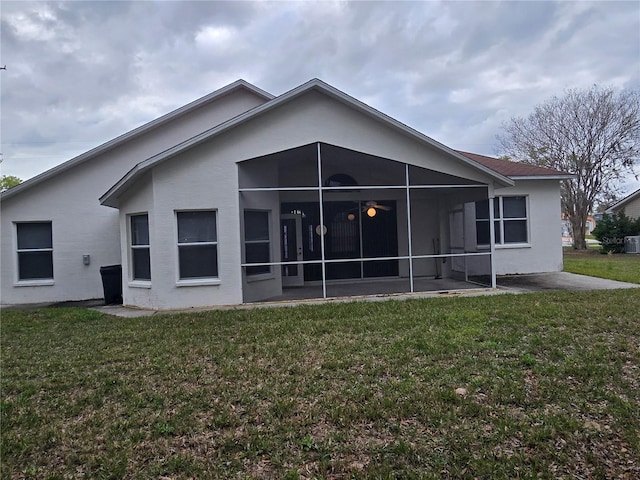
(80, 73)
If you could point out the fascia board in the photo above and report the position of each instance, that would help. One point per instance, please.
(410, 131)
(623, 202)
(107, 198)
(133, 134)
(541, 177)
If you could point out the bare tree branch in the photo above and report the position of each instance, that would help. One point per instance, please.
(593, 134)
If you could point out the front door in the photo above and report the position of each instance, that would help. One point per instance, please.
(291, 249)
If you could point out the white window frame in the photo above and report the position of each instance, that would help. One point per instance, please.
(32, 281)
(500, 220)
(196, 281)
(265, 274)
(140, 282)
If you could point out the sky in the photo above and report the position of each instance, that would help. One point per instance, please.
(81, 73)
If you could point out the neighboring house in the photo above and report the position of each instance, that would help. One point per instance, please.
(241, 196)
(629, 205)
(565, 227)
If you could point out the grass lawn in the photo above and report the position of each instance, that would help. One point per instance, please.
(356, 390)
(621, 266)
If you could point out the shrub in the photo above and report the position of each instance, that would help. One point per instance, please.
(611, 230)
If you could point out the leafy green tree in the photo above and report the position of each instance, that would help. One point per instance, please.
(611, 230)
(593, 134)
(8, 181)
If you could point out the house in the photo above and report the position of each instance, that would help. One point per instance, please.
(629, 205)
(241, 196)
(565, 227)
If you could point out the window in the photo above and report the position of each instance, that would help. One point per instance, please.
(140, 252)
(510, 221)
(257, 246)
(197, 244)
(35, 251)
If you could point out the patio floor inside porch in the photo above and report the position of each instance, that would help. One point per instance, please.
(372, 287)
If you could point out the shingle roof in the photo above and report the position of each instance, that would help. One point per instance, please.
(514, 169)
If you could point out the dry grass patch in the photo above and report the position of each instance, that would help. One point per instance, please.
(361, 390)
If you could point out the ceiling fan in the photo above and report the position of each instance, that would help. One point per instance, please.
(371, 208)
(375, 205)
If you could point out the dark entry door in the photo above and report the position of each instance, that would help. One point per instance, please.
(380, 239)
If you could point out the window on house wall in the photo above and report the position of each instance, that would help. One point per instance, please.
(35, 251)
(140, 251)
(257, 244)
(197, 244)
(511, 224)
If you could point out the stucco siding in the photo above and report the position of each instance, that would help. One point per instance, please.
(632, 209)
(80, 224)
(544, 251)
(208, 183)
(315, 117)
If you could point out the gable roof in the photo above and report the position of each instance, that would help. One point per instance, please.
(110, 198)
(136, 132)
(623, 203)
(517, 170)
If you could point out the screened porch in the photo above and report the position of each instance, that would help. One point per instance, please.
(321, 221)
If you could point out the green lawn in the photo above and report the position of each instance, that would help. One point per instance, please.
(621, 266)
(357, 390)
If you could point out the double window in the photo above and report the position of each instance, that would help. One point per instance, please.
(35, 251)
(197, 244)
(257, 243)
(140, 254)
(510, 221)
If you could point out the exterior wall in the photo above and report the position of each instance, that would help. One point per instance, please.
(80, 224)
(632, 209)
(139, 201)
(543, 253)
(206, 185)
(316, 117)
(206, 177)
(268, 285)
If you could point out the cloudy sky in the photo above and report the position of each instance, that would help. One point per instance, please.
(80, 73)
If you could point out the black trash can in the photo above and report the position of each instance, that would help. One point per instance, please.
(112, 283)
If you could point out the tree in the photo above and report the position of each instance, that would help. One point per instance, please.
(593, 134)
(612, 229)
(8, 181)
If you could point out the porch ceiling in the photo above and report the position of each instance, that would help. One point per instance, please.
(298, 168)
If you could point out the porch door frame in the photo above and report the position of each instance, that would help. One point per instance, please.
(296, 280)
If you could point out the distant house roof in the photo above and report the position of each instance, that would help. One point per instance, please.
(517, 170)
(622, 203)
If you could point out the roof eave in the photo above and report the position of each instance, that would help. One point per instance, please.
(506, 181)
(622, 203)
(315, 83)
(542, 177)
(94, 152)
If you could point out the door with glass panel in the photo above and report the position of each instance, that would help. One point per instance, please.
(291, 249)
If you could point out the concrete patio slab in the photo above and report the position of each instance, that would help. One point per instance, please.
(515, 284)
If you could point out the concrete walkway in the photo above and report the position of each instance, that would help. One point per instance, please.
(539, 282)
(514, 284)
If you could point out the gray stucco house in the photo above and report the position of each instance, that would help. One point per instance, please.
(241, 196)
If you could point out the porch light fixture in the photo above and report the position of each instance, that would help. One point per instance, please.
(351, 217)
(371, 212)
